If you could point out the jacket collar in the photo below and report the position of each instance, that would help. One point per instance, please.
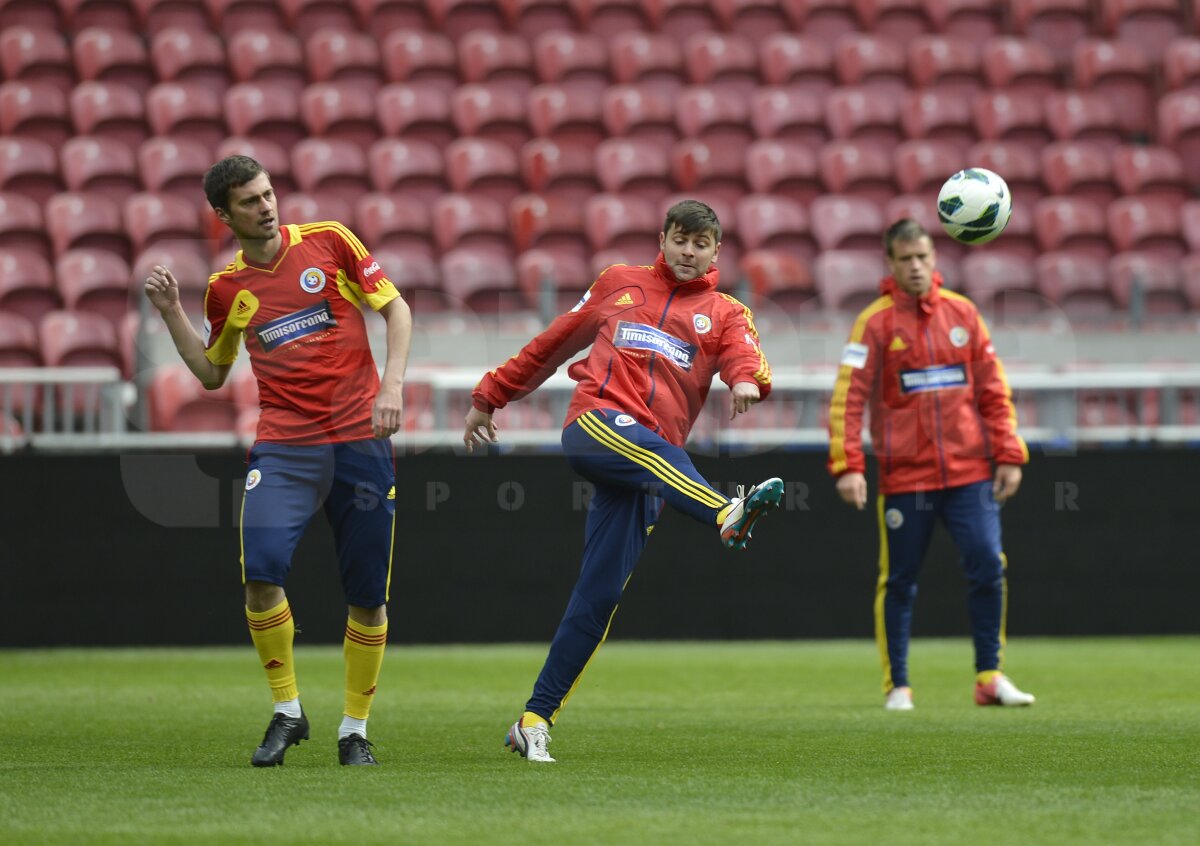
(889, 287)
(707, 282)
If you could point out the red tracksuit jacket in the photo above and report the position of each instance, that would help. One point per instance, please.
(941, 409)
(656, 345)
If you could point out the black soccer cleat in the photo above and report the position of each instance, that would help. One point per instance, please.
(355, 750)
(283, 731)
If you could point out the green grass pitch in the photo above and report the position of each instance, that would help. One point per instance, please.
(692, 743)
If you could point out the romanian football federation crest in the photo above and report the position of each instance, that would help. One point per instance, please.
(959, 336)
(702, 322)
(312, 280)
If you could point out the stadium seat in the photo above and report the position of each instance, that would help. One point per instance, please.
(824, 19)
(1121, 73)
(562, 171)
(98, 282)
(1083, 116)
(1001, 116)
(1146, 226)
(27, 286)
(343, 111)
(776, 224)
(848, 280)
(233, 16)
(968, 20)
(633, 166)
(187, 110)
(871, 62)
(858, 169)
(939, 115)
(35, 54)
(1058, 24)
(1145, 24)
(457, 18)
(922, 166)
(1018, 162)
(560, 277)
(786, 168)
(333, 167)
(1189, 217)
(482, 281)
(753, 19)
(620, 223)
(531, 19)
(267, 56)
(395, 222)
(384, 17)
(715, 116)
(901, 20)
(483, 167)
(1181, 64)
(35, 110)
(158, 16)
(101, 165)
(175, 166)
(846, 223)
(77, 339)
(642, 112)
(802, 62)
(86, 220)
(350, 58)
(417, 277)
(1190, 271)
(549, 224)
(1019, 66)
(1179, 129)
(190, 266)
(647, 58)
(79, 15)
(113, 55)
(18, 340)
(1149, 172)
(109, 109)
(1075, 283)
(416, 111)
(425, 58)
(35, 13)
(579, 59)
(721, 60)
(21, 224)
(29, 166)
(264, 110)
(153, 218)
(863, 114)
(788, 113)
(495, 57)
(413, 168)
(496, 111)
(706, 169)
(607, 18)
(299, 207)
(566, 113)
(946, 65)
(1002, 285)
(179, 403)
(1081, 169)
(680, 19)
(1150, 282)
(782, 278)
(462, 220)
(309, 18)
(269, 154)
(1069, 224)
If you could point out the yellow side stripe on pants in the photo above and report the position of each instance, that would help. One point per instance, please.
(656, 464)
(880, 595)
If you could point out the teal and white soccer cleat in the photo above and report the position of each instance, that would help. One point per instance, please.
(530, 741)
(1001, 691)
(763, 497)
(899, 699)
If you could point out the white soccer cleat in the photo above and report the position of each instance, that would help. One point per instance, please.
(763, 497)
(899, 699)
(1001, 691)
(530, 741)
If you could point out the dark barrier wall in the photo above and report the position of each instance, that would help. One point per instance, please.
(143, 549)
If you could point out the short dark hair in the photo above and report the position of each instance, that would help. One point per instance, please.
(227, 174)
(905, 229)
(693, 217)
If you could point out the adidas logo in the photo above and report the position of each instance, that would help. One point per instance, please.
(243, 307)
(273, 664)
(624, 299)
(897, 344)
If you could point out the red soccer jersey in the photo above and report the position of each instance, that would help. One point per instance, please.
(301, 315)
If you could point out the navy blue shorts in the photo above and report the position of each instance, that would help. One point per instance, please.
(356, 484)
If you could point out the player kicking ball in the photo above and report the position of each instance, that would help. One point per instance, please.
(658, 336)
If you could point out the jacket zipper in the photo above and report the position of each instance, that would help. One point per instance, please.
(937, 408)
(654, 355)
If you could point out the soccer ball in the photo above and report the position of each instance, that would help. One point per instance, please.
(974, 205)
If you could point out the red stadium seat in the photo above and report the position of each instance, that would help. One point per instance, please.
(942, 115)
(621, 223)
(1001, 116)
(158, 16)
(641, 112)
(722, 61)
(495, 57)
(754, 19)
(718, 119)
(190, 110)
(1152, 282)
(561, 171)
(782, 278)
(607, 18)
(1149, 172)
(36, 13)
(1016, 65)
(299, 207)
(1077, 284)
(484, 168)
(113, 55)
(571, 58)
(417, 277)
(416, 111)
(846, 223)
(1018, 162)
(414, 168)
(109, 109)
(308, 18)
(35, 54)
(86, 220)
(395, 222)
(776, 224)
(233, 16)
(871, 62)
(863, 114)
(1083, 116)
(561, 277)
(532, 19)
(1079, 226)
(461, 220)
(175, 166)
(427, 58)
(21, 224)
(902, 20)
(1002, 285)
(456, 18)
(77, 339)
(98, 282)
(800, 61)
(1080, 169)
(1058, 24)
(1179, 129)
(710, 171)
(27, 288)
(1191, 280)
(947, 65)
(35, 110)
(635, 167)
(383, 17)
(493, 110)
(1121, 73)
(788, 113)
(1181, 63)
(848, 280)
(30, 167)
(786, 168)
(343, 111)
(824, 19)
(1146, 226)
(548, 224)
(647, 58)
(1189, 217)
(179, 403)
(101, 165)
(18, 340)
(922, 166)
(78, 15)
(1145, 24)
(566, 113)
(269, 154)
(351, 58)
(682, 18)
(264, 110)
(154, 218)
(482, 281)
(331, 167)
(969, 20)
(858, 169)
(267, 56)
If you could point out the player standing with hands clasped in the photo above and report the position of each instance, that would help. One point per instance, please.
(295, 294)
(944, 432)
(658, 336)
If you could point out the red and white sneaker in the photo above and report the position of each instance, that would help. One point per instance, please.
(1001, 691)
(899, 699)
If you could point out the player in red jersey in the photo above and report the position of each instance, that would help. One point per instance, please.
(294, 294)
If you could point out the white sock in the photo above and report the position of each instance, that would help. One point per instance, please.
(350, 726)
(290, 708)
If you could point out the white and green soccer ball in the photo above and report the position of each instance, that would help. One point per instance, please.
(974, 205)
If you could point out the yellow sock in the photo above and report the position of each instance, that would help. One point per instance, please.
(272, 632)
(723, 513)
(363, 648)
(529, 718)
(986, 676)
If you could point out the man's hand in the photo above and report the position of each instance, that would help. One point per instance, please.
(745, 394)
(852, 488)
(1008, 479)
(388, 411)
(477, 420)
(161, 289)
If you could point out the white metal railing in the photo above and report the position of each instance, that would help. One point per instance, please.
(71, 401)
